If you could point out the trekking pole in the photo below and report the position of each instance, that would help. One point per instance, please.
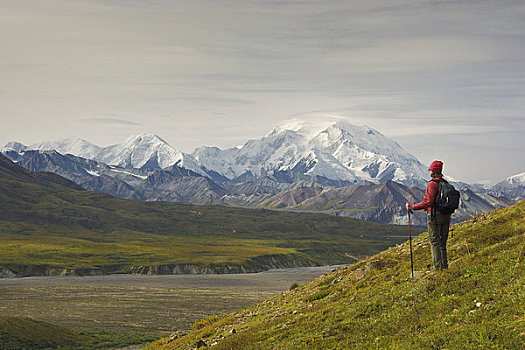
(410, 237)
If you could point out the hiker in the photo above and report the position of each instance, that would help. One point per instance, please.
(438, 223)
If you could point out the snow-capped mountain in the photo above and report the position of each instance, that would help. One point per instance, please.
(513, 187)
(330, 166)
(382, 203)
(146, 150)
(76, 147)
(335, 150)
(169, 184)
(297, 150)
(14, 146)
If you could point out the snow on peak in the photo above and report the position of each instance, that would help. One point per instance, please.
(330, 147)
(146, 138)
(75, 146)
(143, 150)
(147, 150)
(311, 127)
(518, 179)
(363, 151)
(13, 146)
(513, 187)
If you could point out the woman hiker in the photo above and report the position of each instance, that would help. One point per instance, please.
(438, 223)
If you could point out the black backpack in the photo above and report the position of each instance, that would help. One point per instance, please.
(447, 199)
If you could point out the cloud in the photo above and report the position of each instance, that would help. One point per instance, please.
(107, 121)
(403, 68)
(414, 54)
(218, 100)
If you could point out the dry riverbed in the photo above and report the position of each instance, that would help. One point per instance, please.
(142, 304)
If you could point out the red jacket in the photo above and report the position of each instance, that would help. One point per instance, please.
(430, 196)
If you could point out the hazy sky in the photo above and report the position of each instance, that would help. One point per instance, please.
(445, 79)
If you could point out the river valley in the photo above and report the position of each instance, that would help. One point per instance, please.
(146, 304)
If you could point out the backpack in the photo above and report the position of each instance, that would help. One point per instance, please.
(447, 199)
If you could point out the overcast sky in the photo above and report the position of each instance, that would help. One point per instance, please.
(445, 79)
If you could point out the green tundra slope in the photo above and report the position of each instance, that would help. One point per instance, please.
(50, 226)
(478, 303)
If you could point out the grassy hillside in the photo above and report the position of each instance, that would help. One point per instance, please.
(478, 303)
(51, 227)
(18, 333)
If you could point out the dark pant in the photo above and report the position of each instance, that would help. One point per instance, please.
(438, 226)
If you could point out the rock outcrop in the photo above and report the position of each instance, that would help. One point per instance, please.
(258, 264)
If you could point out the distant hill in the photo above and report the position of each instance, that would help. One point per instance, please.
(21, 333)
(382, 203)
(478, 303)
(50, 226)
(10, 170)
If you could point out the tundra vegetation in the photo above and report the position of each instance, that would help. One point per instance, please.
(50, 226)
(21, 333)
(478, 303)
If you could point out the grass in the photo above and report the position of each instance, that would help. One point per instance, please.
(21, 333)
(478, 303)
(45, 227)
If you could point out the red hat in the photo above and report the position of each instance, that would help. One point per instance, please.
(436, 167)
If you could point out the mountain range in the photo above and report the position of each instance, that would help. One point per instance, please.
(51, 226)
(335, 151)
(335, 167)
(513, 187)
